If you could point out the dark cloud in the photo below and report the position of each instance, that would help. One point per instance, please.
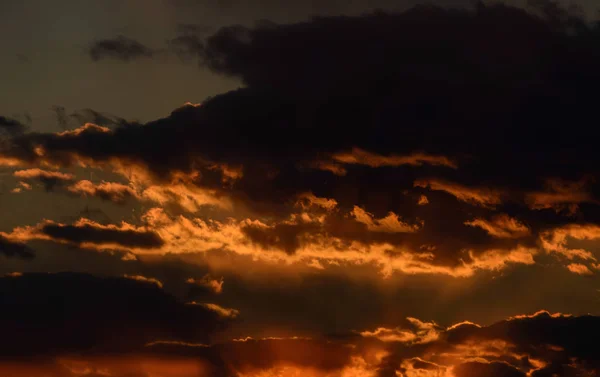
(119, 48)
(14, 249)
(496, 350)
(538, 345)
(58, 314)
(286, 237)
(95, 234)
(96, 117)
(468, 107)
(11, 126)
(61, 117)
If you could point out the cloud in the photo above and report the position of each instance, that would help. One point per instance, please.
(360, 157)
(302, 239)
(221, 311)
(50, 179)
(251, 169)
(144, 279)
(87, 233)
(501, 226)
(104, 315)
(112, 191)
(423, 200)
(12, 249)
(119, 48)
(413, 332)
(557, 240)
(389, 224)
(207, 282)
(309, 199)
(536, 345)
(580, 269)
(10, 126)
(523, 345)
(284, 236)
(473, 195)
(561, 195)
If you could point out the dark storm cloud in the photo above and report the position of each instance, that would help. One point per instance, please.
(57, 314)
(479, 110)
(14, 249)
(95, 234)
(119, 48)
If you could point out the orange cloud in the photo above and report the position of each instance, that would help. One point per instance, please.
(423, 200)
(329, 166)
(89, 234)
(221, 311)
(164, 234)
(309, 199)
(580, 269)
(501, 226)
(86, 128)
(389, 224)
(112, 191)
(144, 279)
(6, 161)
(484, 197)
(560, 195)
(22, 186)
(416, 332)
(361, 157)
(215, 285)
(556, 240)
(42, 174)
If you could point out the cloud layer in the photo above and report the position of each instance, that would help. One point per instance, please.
(358, 145)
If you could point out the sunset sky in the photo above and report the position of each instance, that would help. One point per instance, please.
(333, 188)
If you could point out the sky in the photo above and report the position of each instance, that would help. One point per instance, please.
(197, 188)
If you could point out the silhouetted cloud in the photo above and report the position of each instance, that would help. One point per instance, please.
(58, 314)
(119, 48)
(95, 234)
(15, 249)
